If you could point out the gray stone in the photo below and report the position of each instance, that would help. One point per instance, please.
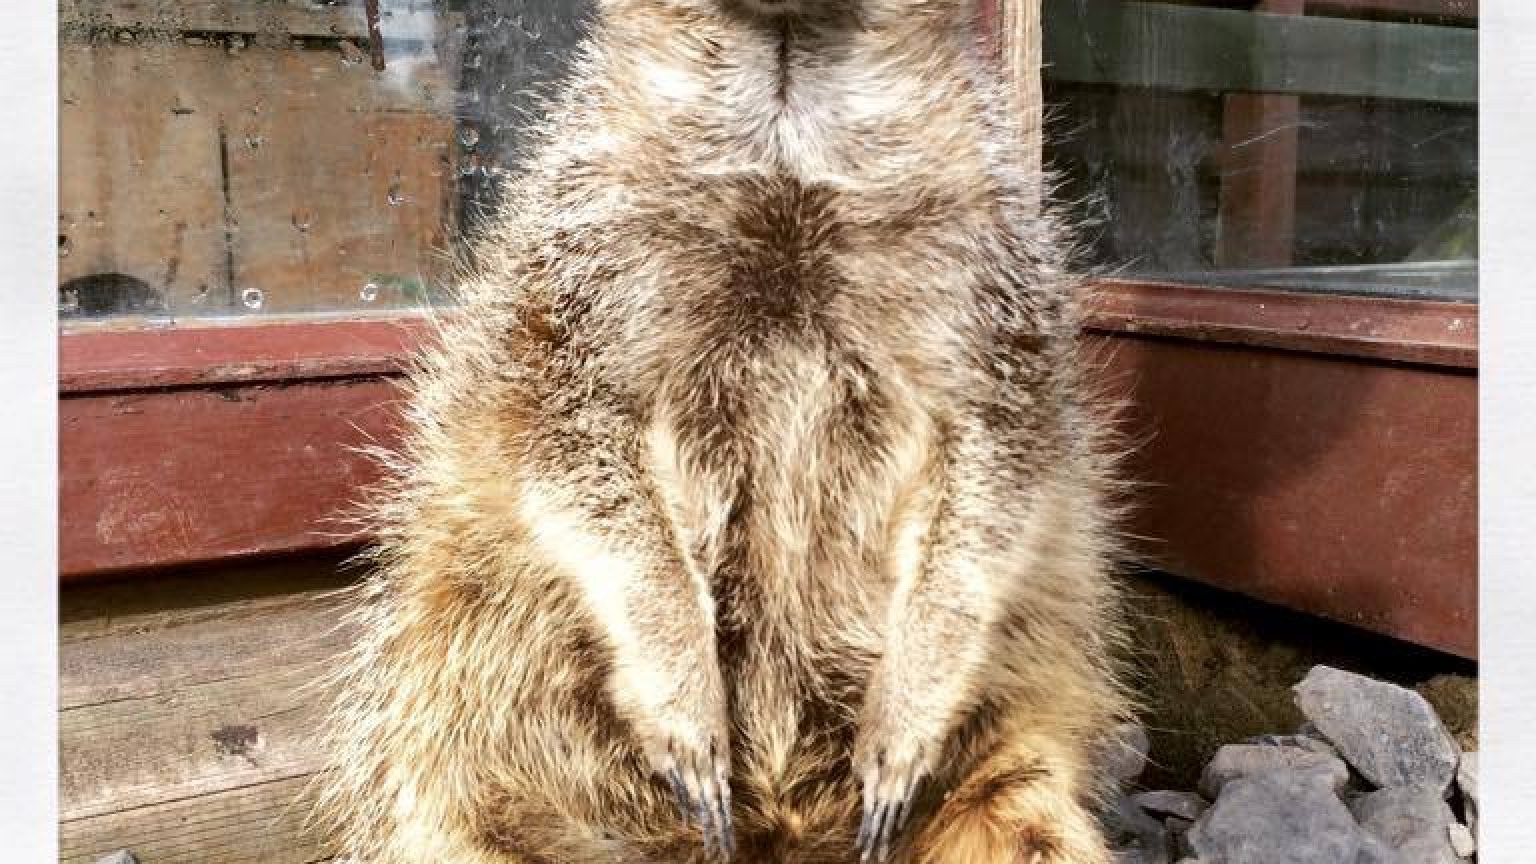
(121, 856)
(1304, 742)
(1167, 802)
(1413, 822)
(1123, 753)
(1245, 760)
(1280, 817)
(1135, 855)
(1373, 852)
(1178, 836)
(1127, 825)
(1466, 783)
(1462, 840)
(1390, 735)
(1156, 853)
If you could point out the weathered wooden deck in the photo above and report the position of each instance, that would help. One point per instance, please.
(188, 717)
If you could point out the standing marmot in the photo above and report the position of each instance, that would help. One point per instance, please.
(753, 473)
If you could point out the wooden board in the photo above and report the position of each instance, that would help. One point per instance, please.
(1167, 47)
(259, 824)
(189, 714)
(281, 464)
(248, 17)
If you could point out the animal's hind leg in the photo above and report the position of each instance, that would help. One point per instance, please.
(1021, 804)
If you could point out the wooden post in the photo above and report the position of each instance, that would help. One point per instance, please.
(1258, 171)
(1019, 40)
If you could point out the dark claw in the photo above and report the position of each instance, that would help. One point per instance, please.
(883, 847)
(706, 823)
(727, 833)
(900, 819)
(680, 793)
(876, 828)
(863, 835)
(882, 823)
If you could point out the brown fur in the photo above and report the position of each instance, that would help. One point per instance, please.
(757, 450)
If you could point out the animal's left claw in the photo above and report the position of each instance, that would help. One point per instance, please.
(888, 791)
(700, 783)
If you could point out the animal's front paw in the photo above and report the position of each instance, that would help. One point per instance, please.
(689, 748)
(890, 762)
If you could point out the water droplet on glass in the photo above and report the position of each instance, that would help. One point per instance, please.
(252, 298)
(469, 136)
(369, 292)
(395, 196)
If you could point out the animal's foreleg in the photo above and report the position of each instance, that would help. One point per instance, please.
(950, 552)
(591, 513)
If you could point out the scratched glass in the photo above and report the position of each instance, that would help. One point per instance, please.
(225, 158)
(1309, 145)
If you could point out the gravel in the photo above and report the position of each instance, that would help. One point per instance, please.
(1466, 785)
(1368, 779)
(1390, 735)
(1168, 802)
(1414, 822)
(1246, 760)
(1123, 753)
(1280, 817)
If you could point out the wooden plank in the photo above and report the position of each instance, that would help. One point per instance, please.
(262, 823)
(244, 17)
(190, 712)
(1341, 488)
(201, 356)
(1166, 47)
(192, 740)
(243, 643)
(160, 479)
(193, 597)
(1412, 331)
(1466, 9)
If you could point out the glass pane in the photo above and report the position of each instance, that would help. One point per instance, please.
(1313, 145)
(287, 157)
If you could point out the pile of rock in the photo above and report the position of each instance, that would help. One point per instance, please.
(1372, 777)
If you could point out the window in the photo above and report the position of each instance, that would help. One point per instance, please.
(248, 158)
(1310, 145)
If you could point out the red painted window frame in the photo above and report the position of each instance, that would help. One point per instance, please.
(136, 421)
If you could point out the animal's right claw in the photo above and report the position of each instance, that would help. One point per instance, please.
(703, 798)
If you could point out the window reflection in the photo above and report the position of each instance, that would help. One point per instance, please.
(1326, 145)
(230, 157)
(227, 158)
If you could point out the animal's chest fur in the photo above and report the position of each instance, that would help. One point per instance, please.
(798, 406)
